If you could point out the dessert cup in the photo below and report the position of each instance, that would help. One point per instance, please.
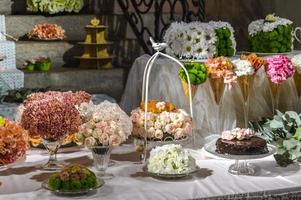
(246, 83)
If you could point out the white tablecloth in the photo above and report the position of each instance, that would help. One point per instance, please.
(23, 181)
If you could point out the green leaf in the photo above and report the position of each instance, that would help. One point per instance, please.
(297, 135)
(290, 144)
(283, 160)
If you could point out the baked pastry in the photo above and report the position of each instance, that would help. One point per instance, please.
(241, 142)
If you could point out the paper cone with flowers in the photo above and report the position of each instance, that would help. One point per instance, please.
(296, 61)
(197, 73)
(220, 72)
(278, 69)
(245, 68)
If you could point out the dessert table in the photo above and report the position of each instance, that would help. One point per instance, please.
(212, 181)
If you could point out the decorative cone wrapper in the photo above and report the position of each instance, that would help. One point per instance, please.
(274, 88)
(218, 87)
(245, 83)
(194, 88)
(297, 78)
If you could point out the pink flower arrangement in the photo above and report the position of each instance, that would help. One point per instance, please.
(75, 98)
(238, 133)
(279, 68)
(47, 31)
(106, 125)
(162, 126)
(13, 142)
(51, 118)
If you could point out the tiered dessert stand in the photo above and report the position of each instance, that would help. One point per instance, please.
(95, 54)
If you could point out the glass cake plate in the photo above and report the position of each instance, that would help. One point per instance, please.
(99, 184)
(239, 168)
(172, 176)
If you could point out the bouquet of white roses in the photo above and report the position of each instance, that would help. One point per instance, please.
(105, 124)
(170, 159)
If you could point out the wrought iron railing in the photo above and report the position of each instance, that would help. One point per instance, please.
(134, 10)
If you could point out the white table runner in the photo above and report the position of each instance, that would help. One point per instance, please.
(130, 182)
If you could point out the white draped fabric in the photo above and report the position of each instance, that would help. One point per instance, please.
(23, 181)
(210, 118)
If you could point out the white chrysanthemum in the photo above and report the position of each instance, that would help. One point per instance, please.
(260, 25)
(243, 67)
(190, 41)
(170, 159)
(296, 60)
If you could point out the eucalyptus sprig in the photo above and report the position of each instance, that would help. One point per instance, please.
(285, 130)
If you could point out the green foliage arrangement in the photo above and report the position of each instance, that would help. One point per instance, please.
(285, 130)
(277, 41)
(197, 73)
(54, 6)
(73, 178)
(224, 45)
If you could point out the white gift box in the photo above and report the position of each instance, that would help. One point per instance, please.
(13, 77)
(8, 51)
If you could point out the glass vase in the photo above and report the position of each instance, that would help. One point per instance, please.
(101, 157)
(52, 146)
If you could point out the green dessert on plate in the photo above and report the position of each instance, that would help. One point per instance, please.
(72, 178)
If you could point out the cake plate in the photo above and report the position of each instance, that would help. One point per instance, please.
(241, 166)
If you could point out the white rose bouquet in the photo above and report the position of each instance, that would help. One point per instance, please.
(170, 159)
(106, 124)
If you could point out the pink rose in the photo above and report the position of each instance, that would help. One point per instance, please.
(90, 142)
(187, 128)
(88, 132)
(179, 133)
(104, 139)
(159, 134)
(178, 123)
(151, 132)
(108, 130)
(228, 135)
(115, 140)
(158, 125)
(170, 128)
(101, 124)
(98, 131)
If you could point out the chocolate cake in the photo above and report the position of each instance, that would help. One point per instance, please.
(252, 146)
